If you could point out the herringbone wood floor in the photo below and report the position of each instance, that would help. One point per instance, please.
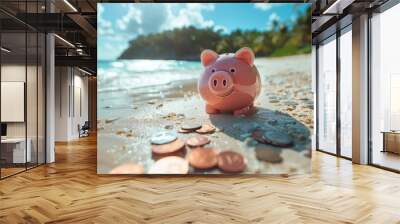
(69, 191)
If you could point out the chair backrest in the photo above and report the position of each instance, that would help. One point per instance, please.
(86, 125)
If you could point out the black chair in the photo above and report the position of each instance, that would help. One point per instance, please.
(84, 130)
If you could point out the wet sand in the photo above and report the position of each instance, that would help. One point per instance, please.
(285, 104)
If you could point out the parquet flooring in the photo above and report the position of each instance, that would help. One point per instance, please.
(70, 191)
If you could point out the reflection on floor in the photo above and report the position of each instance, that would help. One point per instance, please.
(386, 159)
(70, 191)
(11, 169)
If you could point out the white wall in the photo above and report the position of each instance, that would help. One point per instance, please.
(70, 83)
(62, 81)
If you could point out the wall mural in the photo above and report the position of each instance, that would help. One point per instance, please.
(188, 88)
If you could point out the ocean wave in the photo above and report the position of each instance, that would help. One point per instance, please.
(125, 75)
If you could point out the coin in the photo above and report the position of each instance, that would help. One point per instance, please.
(163, 137)
(203, 158)
(198, 140)
(190, 125)
(273, 137)
(268, 153)
(206, 129)
(179, 153)
(128, 168)
(183, 131)
(231, 162)
(170, 165)
(168, 148)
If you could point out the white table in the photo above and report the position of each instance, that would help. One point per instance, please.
(18, 144)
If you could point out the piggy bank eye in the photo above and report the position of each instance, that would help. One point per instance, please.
(213, 70)
(232, 70)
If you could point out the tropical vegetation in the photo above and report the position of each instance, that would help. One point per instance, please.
(186, 43)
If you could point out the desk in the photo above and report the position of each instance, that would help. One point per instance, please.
(391, 141)
(16, 147)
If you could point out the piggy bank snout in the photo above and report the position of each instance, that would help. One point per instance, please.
(220, 83)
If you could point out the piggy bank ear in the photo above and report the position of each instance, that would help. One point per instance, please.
(245, 54)
(207, 57)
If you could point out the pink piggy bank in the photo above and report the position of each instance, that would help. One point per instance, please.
(230, 82)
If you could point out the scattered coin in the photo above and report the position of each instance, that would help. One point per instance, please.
(128, 168)
(203, 158)
(170, 165)
(184, 131)
(206, 129)
(273, 137)
(171, 147)
(198, 140)
(179, 153)
(173, 116)
(231, 162)
(163, 138)
(269, 154)
(190, 125)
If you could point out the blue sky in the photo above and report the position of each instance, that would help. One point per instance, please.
(120, 22)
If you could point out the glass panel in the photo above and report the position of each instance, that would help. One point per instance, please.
(23, 90)
(327, 96)
(346, 94)
(31, 100)
(385, 114)
(13, 87)
(41, 99)
(32, 89)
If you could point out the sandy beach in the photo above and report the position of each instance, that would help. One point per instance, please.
(129, 118)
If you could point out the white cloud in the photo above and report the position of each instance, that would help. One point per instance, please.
(104, 26)
(189, 15)
(133, 16)
(273, 17)
(152, 18)
(111, 47)
(142, 20)
(262, 6)
(219, 27)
